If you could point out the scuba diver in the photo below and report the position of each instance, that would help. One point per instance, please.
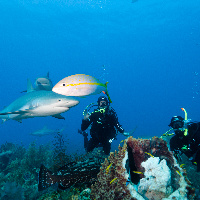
(186, 139)
(104, 123)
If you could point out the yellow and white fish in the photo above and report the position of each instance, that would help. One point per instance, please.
(80, 85)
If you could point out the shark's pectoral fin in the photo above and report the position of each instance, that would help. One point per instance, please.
(3, 120)
(59, 116)
(23, 91)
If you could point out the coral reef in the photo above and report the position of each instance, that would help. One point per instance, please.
(157, 177)
(19, 168)
(142, 169)
(12, 191)
(19, 172)
(68, 194)
(60, 157)
(113, 177)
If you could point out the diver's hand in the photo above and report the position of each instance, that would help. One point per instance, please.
(86, 116)
(126, 133)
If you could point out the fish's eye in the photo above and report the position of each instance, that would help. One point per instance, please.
(59, 100)
(63, 84)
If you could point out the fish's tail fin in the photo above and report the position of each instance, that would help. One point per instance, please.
(108, 97)
(106, 92)
(45, 178)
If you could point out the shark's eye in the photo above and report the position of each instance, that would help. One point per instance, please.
(59, 100)
(63, 84)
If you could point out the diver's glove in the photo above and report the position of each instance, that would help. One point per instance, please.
(126, 133)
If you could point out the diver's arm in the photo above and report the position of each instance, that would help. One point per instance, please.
(120, 129)
(116, 122)
(175, 147)
(86, 121)
(173, 143)
(85, 124)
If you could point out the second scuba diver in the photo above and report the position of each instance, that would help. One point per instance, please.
(187, 142)
(104, 123)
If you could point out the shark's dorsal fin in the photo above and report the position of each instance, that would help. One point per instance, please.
(29, 86)
(47, 74)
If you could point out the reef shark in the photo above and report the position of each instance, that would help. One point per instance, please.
(43, 83)
(39, 103)
(46, 131)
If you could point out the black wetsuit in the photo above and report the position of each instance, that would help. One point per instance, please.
(103, 128)
(191, 142)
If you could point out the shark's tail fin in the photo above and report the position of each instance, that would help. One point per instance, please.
(45, 178)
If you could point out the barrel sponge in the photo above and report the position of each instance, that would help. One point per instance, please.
(142, 169)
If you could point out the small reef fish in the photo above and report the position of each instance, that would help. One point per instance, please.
(149, 154)
(107, 169)
(113, 180)
(71, 174)
(39, 103)
(178, 172)
(136, 172)
(80, 85)
(46, 131)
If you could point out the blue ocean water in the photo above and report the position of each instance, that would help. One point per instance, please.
(148, 51)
